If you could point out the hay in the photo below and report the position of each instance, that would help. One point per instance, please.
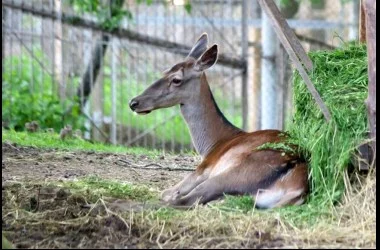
(63, 224)
(340, 76)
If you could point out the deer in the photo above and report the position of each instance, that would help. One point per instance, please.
(230, 162)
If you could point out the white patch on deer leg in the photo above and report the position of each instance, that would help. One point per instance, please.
(290, 195)
(299, 202)
(268, 198)
(290, 172)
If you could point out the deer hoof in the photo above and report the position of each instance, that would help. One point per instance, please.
(170, 195)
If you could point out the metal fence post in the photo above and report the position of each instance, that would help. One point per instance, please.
(268, 75)
(244, 48)
(113, 91)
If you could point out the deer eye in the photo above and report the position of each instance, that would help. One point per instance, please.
(176, 81)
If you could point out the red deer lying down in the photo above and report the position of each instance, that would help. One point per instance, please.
(230, 165)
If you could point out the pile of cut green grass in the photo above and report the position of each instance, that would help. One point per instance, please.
(340, 77)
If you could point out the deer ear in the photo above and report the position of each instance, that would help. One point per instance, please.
(199, 47)
(207, 59)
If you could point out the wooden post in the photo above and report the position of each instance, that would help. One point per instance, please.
(362, 23)
(254, 72)
(370, 20)
(254, 115)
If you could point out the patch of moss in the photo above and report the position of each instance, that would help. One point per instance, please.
(95, 187)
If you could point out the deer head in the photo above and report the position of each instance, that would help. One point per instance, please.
(180, 83)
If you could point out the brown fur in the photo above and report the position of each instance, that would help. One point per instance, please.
(180, 66)
(255, 139)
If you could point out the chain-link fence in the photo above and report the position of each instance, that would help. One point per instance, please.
(60, 67)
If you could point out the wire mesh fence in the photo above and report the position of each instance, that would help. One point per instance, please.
(48, 52)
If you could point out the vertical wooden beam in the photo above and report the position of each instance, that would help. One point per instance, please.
(362, 23)
(254, 115)
(370, 16)
(254, 71)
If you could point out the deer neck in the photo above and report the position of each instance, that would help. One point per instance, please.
(206, 122)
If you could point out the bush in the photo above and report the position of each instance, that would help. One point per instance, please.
(28, 95)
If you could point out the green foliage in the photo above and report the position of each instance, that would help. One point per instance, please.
(109, 14)
(28, 94)
(340, 76)
(148, 2)
(188, 7)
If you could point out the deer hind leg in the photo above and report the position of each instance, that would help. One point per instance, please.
(289, 189)
(183, 187)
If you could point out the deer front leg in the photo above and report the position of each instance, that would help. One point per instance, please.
(170, 193)
(208, 190)
(183, 187)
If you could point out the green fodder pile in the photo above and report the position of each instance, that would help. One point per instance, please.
(340, 77)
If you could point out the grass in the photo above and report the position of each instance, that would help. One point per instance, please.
(340, 77)
(50, 140)
(228, 224)
(276, 146)
(96, 188)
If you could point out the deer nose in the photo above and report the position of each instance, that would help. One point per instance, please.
(133, 104)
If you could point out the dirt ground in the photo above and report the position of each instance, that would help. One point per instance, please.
(32, 164)
(59, 218)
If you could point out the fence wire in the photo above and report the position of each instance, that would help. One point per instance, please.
(45, 56)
